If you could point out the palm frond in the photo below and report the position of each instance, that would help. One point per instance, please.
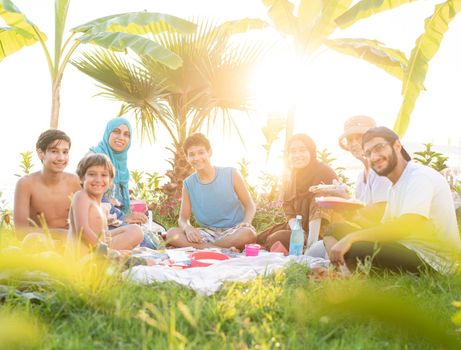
(128, 82)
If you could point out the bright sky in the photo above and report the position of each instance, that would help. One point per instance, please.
(332, 88)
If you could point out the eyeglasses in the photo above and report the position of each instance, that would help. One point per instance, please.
(378, 148)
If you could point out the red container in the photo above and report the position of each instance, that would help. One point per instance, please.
(204, 258)
(138, 206)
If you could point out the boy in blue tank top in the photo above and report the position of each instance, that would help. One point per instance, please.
(219, 201)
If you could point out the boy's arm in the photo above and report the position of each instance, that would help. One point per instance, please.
(79, 209)
(245, 199)
(192, 233)
(21, 211)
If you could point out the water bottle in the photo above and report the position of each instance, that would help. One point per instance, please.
(297, 237)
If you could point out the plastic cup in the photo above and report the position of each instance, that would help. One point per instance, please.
(138, 206)
(252, 249)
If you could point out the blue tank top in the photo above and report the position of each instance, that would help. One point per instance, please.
(215, 204)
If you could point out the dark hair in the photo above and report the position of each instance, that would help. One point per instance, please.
(46, 138)
(385, 133)
(196, 139)
(94, 159)
(308, 142)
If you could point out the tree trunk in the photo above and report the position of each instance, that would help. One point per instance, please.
(289, 132)
(180, 170)
(55, 102)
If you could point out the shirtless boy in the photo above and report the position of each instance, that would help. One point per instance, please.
(46, 192)
(87, 219)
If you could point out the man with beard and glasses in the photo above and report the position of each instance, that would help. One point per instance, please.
(419, 224)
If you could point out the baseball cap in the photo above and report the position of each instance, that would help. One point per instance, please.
(385, 133)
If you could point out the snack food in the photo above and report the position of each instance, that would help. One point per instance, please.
(332, 202)
(322, 188)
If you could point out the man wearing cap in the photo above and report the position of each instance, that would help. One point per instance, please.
(370, 188)
(419, 225)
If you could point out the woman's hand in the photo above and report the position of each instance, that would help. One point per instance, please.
(193, 234)
(136, 218)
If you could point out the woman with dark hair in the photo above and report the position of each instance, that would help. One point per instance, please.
(306, 171)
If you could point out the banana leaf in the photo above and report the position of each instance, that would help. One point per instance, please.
(390, 60)
(137, 23)
(326, 23)
(425, 49)
(281, 14)
(60, 15)
(138, 44)
(367, 8)
(242, 25)
(20, 31)
(15, 19)
(12, 41)
(309, 12)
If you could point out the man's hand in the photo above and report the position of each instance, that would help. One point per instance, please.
(193, 234)
(136, 218)
(338, 251)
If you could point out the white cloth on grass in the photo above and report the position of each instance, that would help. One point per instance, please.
(208, 280)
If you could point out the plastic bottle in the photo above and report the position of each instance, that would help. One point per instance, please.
(297, 237)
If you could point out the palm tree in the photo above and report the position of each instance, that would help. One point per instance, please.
(117, 32)
(212, 81)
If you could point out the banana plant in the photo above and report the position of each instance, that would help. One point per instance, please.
(309, 25)
(425, 48)
(118, 32)
(310, 29)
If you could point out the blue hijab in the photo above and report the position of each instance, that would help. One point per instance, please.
(119, 160)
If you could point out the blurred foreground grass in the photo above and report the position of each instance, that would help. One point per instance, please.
(54, 302)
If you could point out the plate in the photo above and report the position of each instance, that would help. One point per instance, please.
(338, 203)
(202, 259)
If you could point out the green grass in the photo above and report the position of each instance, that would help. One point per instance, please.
(285, 310)
(85, 307)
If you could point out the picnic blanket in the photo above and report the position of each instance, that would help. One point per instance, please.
(208, 280)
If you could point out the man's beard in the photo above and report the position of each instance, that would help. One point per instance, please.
(392, 163)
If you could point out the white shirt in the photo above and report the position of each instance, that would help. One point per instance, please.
(374, 190)
(423, 191)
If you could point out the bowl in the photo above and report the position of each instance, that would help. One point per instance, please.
(203, 259)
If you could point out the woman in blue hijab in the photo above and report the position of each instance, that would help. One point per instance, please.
(115, 144)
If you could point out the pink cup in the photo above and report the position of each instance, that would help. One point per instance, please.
(252, 249)
(138, 206)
